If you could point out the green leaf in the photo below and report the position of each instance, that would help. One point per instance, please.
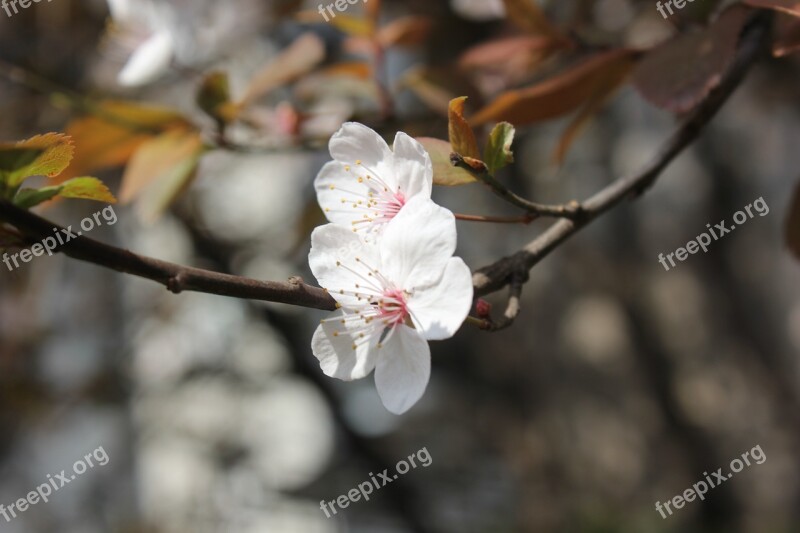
(86, 188)
(444, 173)
(498, 152)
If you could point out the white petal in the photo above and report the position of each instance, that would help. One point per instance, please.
(345, 187)
(356, 142)
(149, 61)
(438, 311)
(418, 243)
(403, 369)
(413, 169)
(333, 345)
(331, 244)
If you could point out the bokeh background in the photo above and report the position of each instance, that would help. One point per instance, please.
(619, 385)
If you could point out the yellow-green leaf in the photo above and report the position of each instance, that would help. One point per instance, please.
(498, 150)
(42, 155)
(462, 138)
(87, 188)
(444, 173)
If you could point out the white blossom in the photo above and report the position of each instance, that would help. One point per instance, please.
(367, 184)
(395, 295)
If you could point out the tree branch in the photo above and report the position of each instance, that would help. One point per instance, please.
(512, 270)
(503, 272)
(176, 278)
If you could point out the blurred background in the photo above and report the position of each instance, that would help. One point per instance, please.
(619, 385)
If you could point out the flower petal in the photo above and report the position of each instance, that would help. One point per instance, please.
(418, 243)
(333, 345)
(439, 310)
(350, 281)
(356, 142)
(412, 167)
(403, 369)
(149, 61)
(341, 195)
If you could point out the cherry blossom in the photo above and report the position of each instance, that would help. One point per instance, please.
(367, 184)
(395, 295)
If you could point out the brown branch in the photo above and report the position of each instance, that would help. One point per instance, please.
(176, 278)
(503, 272)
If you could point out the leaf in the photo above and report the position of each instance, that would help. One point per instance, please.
(156, 198)
(790, 7)
(444, 173)
(529, 16)
(554, 97)
(116, 130)
(405, 31)
(498, 152)
(300, 57)
(213, 95)
(508, 61)
(87, 188)
(680, 73)
(43, 155)
(605, 87)
(462, 138)
(793, 224)
(157, 159)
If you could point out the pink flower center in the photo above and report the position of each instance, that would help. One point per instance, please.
(394, 204)
(393, 307)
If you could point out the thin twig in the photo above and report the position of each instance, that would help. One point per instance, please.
(481, 173)
(525, 219)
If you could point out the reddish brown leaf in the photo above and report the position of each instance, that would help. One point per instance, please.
(793, 224)
(792, 7)
(606, 85)
(680, 73)
(462, 138)
(555, 97)
(509, 60)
